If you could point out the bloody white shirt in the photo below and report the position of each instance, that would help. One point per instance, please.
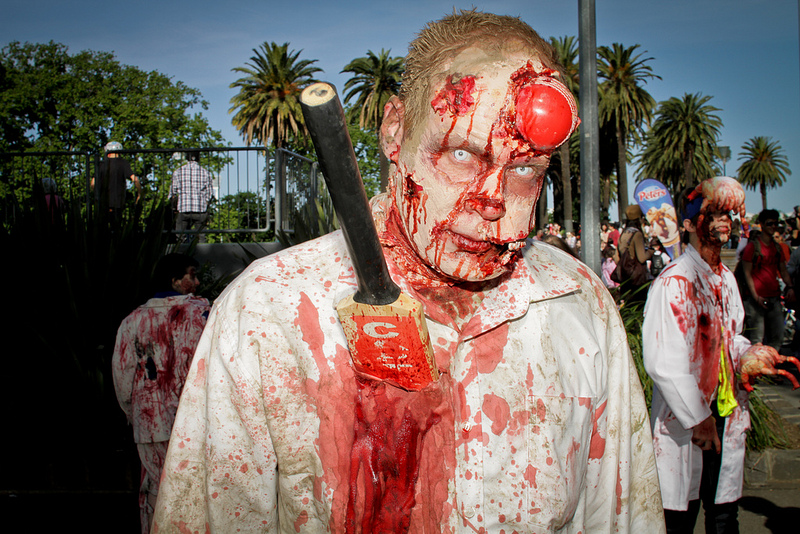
(541, 423)
(690, 315)
(155, 345)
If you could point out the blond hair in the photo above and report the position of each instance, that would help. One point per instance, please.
(439, 42)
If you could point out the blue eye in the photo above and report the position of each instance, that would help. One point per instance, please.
(461, 155)
(524, 171)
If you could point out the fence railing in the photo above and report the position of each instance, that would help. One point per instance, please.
(256, 191)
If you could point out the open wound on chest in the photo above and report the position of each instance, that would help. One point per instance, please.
(390, 427)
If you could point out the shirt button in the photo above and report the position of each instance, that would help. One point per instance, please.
(467, 426)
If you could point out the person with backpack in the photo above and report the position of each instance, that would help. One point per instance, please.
(660, 258)
(762, 265)
(633, 255)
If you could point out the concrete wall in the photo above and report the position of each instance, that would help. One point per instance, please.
(230, 259)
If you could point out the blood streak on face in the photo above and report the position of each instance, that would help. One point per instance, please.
(456, 98)
(467, 177)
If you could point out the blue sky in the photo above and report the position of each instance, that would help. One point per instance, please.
(743, 53)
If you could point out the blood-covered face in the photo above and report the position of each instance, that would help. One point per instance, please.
(714, 229)
(188, 284)
(467, 178)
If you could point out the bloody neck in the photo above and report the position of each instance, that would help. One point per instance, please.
(447, 300)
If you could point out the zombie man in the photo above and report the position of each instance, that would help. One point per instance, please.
(155, 345)
(537, 422)
(701, 367)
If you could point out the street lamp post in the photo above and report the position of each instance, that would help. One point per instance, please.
(724, 155)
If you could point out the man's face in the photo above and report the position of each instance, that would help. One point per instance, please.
(768, 229)
(468, 176)
(188, 284)
(714, 229)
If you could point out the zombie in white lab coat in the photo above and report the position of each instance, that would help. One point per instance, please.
(694, 351)
(155, 345)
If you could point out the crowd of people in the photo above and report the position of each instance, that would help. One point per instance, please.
(767, 267)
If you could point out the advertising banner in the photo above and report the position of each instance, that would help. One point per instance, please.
(656, 204)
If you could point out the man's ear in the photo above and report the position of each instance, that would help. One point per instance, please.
(688, 226)
(392, 128)
(176, 284)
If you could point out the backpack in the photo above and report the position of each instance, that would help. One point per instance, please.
(656, 264)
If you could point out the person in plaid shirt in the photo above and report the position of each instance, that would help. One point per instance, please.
(191, 189)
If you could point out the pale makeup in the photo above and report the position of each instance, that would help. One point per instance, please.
(465, 188)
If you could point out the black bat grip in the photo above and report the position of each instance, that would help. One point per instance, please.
(325, 120)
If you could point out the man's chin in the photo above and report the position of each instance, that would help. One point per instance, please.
(472, 267)
(716, 240)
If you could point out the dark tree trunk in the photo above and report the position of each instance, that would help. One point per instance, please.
(566, 184)
(622, 172)
(541, 208)
(688, 167)
(606, 200)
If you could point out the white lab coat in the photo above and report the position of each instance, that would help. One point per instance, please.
(154, 348)
(687, 306)
(543, 423)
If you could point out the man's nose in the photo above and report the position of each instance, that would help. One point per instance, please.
(489, 208)
(487, 198)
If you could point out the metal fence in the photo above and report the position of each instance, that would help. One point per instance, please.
(255, 191)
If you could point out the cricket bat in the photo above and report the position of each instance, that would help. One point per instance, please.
(386, 330)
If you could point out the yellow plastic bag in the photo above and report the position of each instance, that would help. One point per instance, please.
(726, 399)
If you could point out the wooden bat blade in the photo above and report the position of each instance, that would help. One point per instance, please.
(390, 342)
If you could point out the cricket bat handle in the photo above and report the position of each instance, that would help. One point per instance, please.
(326, 123)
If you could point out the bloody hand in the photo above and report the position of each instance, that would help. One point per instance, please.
(761, 360)
(705, 436)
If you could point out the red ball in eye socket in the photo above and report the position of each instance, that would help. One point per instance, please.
(544, 115)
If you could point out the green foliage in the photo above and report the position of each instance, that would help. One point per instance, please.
(53, 101)
(313, 221)
(242, 210)
(267, 106)
(766, 430)
(566, 49)
(365, 145)
(56, 101)
(765, 166)
(623, 100)
(680, 146)
(624, 104)
(375, 80)
(632, 319)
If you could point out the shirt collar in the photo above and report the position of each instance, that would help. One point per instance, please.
(536, 277)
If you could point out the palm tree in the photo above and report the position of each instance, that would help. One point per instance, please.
(680, 147)
(624, 104)
(267, 105)
(566, 50)
(375, 80)
(765, 166)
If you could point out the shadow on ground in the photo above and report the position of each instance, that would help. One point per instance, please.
(777, 519)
